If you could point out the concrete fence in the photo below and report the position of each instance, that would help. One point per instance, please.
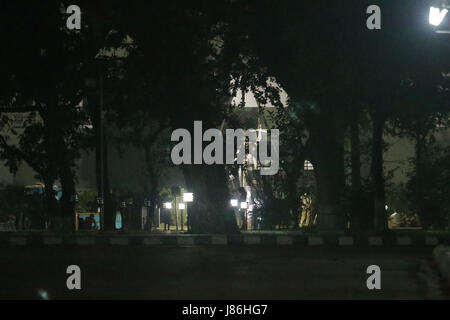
(16, 238)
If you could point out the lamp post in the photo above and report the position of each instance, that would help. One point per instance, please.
(188, 197)
(244, 206)
(168, 206)
(181, 206)
(149, 220)
(129, 213)
(235, 204)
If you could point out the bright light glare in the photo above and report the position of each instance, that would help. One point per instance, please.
(168, 205)
(436, 16)
(188, 197)
(181, 206)
(234, 202)
(243, 205)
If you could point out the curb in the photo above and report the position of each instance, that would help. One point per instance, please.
(221, 240)
(441, 255)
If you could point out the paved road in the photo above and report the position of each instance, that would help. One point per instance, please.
(203, 272)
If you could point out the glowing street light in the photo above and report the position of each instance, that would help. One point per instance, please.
(234, 202)
(188, 197)
(168, 205)
(436, 16)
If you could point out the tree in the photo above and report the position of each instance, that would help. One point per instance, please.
(337, 73)
(41, 77)
(176, 72)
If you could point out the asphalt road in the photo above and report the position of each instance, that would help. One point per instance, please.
(207, 272)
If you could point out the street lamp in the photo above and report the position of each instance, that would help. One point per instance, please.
(188, 197)
(436, 16)
(168, 205)
(234, 202)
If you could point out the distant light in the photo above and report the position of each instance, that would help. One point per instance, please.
(308, 166)
(188, 197)
(181, 206)
(42, 294)
(436, 16)
(168, 205)
(243, 205)
(234, 202)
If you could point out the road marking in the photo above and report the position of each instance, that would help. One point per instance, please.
(153, 241)
(52, 240)
(85, 240)
(185, 241)
(345, 241)
(315, 241)
(375, 241)
(219, 239)
(119, 240)
(404, 241)
(284, 240)
(252, 240)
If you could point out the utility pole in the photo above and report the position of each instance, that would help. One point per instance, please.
(176, 214)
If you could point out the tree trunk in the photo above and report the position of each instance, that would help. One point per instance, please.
(153, 209)
(355, 155)
(211, 211)
(326, 149)
(419, 149)
(295, 205)
(379, 202)
(358, 214)
(109, 213)
(67, 200)
(154, 180)
(51, 205)
(103, 187)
